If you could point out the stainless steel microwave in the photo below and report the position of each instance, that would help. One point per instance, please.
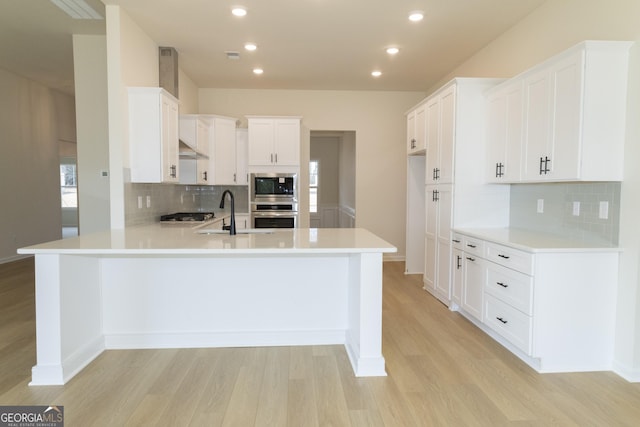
(273, 186)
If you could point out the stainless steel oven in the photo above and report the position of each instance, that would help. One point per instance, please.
(274, 200)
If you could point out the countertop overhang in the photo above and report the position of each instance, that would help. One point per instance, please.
(172, 239)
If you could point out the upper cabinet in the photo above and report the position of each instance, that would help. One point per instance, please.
(194, 150)
(440, 125)
(574, 116)
(416, 130)
(505, 111)
(222, 144)
(153, 135)
(274, 141)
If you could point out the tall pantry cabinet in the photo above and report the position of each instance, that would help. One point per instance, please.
(455, 193)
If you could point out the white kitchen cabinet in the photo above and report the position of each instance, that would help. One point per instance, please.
(153, 135)
(575, 114)
(505, 110)
(274, 141)
(242, 221)
(456, 193)
(438, 240)
(440, 119)
(553, 306)
(457, 274)
(416, 130)
(242, 145)
(222, 148)
(194, 150)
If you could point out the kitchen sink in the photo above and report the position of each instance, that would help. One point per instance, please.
(238, 231)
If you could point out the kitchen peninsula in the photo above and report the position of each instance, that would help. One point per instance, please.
(171, 286)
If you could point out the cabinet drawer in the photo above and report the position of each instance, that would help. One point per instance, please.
(457, 241)
(510, 323)
(511, 287)
(473, 246)
(509, 257)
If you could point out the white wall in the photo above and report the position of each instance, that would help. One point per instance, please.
(379, 124)
(29, 168)
(555, 26)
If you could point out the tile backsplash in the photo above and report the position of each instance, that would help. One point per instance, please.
(170, 198)
(559, 216)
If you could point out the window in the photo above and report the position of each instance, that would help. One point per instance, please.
(313, 186)
(68, 184)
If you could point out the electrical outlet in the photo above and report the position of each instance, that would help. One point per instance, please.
(604, 210)
(139, 202)
(148, 201)
(540, 207)
(576, 208)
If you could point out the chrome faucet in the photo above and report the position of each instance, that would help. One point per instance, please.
(231, 227)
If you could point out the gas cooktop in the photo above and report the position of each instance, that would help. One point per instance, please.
(188, 217)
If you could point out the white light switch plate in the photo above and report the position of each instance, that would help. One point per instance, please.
(576, 208)
(540, 208)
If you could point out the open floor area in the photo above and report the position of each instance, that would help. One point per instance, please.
(442, 371)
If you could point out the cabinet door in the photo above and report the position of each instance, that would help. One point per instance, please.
(433, 140)
(431, 237)
(565, 141)
(169, 137)
(537, 127)
(496, 136)
(445, 210)
(287, 142)
(242, 173)
(457, 276)
(202, 163)
(473, 292)
(421, 128)
(261, 142)
(430, 263)
(225, 151)
(504, 134)
(411, 132)
(447, 136)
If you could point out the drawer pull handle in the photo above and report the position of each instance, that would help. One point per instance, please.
(456, 241)
(470, 245)
(471, 259)
(502, 320)
(502, 284)
(503, 256)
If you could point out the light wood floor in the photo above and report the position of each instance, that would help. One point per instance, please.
(442, 372)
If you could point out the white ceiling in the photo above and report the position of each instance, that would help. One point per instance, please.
(302, 44)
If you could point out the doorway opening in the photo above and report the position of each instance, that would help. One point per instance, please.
(332, 179)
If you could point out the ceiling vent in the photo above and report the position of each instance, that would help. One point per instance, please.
(232, 55)
(77, 9)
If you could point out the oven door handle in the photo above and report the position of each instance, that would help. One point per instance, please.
(273, 213)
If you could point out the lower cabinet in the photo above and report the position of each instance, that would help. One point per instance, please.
(554, 307)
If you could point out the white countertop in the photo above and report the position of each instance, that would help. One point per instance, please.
(177, 239)
(532, 241)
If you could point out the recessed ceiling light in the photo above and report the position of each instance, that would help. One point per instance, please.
(258, 71)
(250, 46)
(239, 10)
(416, 15)
(376, 73)
(392, 50)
